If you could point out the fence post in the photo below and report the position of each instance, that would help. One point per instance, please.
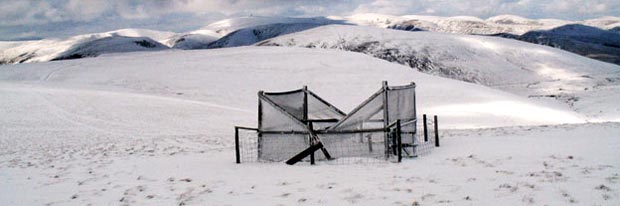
(436, 132)
(425, 129)
(399, 146)
(237, 153)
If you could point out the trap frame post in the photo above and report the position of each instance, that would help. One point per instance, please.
(385, 118)
(310, 142)
(425, 129)
(415, 115)
(436, 132)
(260, 125)
(237, 153)
(305, 120)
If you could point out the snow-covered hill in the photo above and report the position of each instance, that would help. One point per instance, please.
(155, 128)
(191, 41)
(510, 24)
(159, 36)
(89, 45)
(552, 32)
(227, 26)
(251, 35)
(522, 68)
(588, 41)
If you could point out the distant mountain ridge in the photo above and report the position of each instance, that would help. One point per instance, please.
(250, 30)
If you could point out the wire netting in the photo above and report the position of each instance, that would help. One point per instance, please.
(348, 148)
(353, 148)
(361, 147)
(281, 147)
(425, 145)
(248, 145)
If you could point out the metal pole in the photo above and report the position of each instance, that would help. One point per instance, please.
(415, 115)
(425, 129)
(305, 105)
(436, 132)
(399, 141)
(385, 118)
(237, 153)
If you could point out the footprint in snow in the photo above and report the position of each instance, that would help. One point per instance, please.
(527, 199)
(567, 196)
(354, 198)
(427, 196)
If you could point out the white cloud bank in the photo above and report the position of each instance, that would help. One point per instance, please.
(35, 15)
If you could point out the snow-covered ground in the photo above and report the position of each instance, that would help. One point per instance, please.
(156, 128)
(556, 165)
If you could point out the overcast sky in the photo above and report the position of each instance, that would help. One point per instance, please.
(29, 19)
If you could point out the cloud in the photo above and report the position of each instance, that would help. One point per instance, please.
(563, 9)
(34, 12)
(52, 16)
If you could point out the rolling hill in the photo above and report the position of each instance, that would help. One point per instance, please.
(526, 69)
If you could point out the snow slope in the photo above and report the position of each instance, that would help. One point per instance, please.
(159, 72)
(156, 129)
(522, 68)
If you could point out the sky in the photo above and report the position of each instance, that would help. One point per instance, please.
(34, 19)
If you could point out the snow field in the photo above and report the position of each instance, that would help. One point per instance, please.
(155, 128)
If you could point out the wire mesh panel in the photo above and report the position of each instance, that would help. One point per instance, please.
(361, 147)
(246, 140)
(281, 147)
(408, 135)
(426, 139)
(346, 147)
